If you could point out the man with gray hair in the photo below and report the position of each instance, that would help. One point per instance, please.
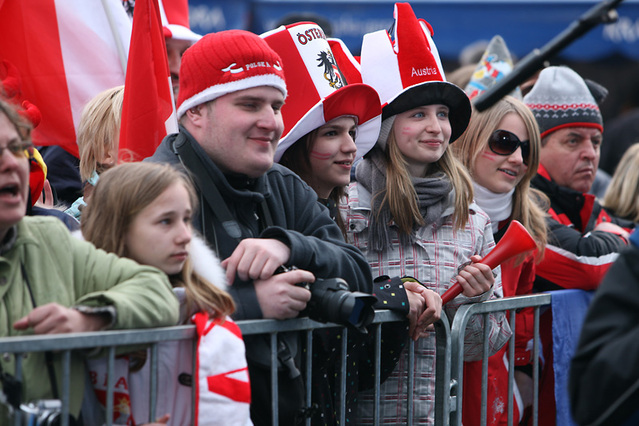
(583, 238)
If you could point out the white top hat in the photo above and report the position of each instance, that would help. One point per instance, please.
(406, 70)
(175, 20)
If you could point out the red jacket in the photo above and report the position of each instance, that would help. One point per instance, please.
(576, 256)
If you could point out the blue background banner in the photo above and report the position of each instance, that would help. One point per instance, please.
(524, 25)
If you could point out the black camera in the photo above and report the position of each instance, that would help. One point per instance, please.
(333, 301)
(44, 412)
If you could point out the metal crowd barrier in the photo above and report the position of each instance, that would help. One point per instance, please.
(461, 320)
(449, 360)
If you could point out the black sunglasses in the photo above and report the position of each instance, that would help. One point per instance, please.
(502, 142)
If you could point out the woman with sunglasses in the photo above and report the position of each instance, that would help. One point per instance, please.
(500, 149)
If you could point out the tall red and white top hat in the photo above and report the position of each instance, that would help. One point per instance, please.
(406, 70)
(175, 20)
(317, 90)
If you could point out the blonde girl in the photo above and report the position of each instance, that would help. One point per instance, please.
(143, 211)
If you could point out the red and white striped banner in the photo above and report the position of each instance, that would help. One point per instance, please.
(66, 53)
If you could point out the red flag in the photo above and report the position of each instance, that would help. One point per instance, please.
(66, 53)
(148, 111)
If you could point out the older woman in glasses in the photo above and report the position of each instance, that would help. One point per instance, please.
(54, 283)
(500, 149)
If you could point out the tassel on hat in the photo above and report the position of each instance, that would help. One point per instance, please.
(225, 62)
(495, 64)
(319, 91)
(407, 73)
(561, 98)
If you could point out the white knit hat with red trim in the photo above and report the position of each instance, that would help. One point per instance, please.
(407, 72)
(318, 90)
(175, 20)
(561, 98)
(225, 62)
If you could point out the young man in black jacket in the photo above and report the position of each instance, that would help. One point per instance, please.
(256, 215)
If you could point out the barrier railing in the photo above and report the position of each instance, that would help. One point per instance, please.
(458, 327)
(449, 361)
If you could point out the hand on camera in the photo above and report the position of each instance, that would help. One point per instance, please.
(256, 258)
(279, 296)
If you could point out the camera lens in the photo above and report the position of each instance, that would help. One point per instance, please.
(332, 301)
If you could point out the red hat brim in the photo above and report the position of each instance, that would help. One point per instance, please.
(359, 100)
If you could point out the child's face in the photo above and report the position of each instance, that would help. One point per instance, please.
(422, 135)
(160, 234)
(332, 155)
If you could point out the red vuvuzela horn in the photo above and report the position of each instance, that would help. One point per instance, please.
(516, 240)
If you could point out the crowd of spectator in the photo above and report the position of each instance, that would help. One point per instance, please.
(296, 163)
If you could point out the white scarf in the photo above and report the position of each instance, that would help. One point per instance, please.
(497, 206)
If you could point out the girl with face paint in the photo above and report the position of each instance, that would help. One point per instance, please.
(500, 149)
(411, 209)
(326, 132)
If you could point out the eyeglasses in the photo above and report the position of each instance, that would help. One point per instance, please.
(502, 142)
(21, 149)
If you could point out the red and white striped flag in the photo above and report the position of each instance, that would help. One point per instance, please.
(66, 53)
(148, 111)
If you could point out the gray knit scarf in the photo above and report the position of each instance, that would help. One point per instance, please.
(432, 198)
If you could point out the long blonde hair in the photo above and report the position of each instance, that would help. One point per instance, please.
(622, 195)
(529, 205)
(99, 129)
(401, 196)
(120, 195)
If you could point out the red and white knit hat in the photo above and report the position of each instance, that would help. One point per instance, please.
(225, 62)
(319, 91)
(407, 73)
(175, 20)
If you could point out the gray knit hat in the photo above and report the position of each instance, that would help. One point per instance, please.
(560, 98)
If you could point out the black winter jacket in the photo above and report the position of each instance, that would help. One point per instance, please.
(299, 221)
(604, 373)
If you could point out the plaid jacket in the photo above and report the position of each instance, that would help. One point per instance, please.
(433, 259)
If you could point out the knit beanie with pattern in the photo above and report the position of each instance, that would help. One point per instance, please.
(225, 62)
(560, 98)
